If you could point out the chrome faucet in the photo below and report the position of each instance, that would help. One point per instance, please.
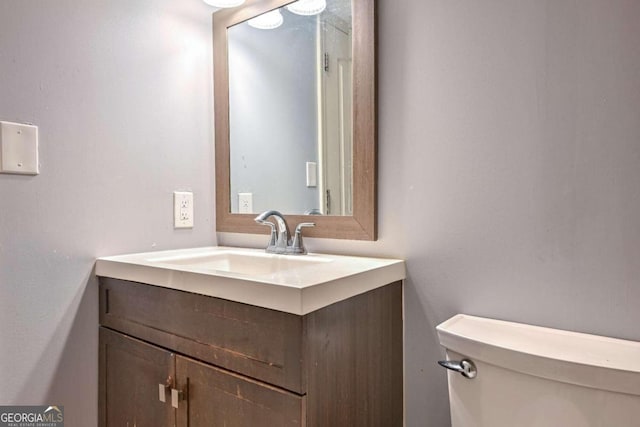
(279, 241)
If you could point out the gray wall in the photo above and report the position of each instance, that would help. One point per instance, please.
(272, 79)
(509, 145)
(121, 92)
(509, 170)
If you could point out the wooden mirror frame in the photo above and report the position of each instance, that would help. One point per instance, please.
(362, 225)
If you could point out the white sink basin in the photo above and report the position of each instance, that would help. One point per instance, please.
(294, 284)
(241, 262)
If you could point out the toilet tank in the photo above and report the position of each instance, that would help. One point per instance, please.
(530, 376)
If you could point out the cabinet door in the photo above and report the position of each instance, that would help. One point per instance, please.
(130, 373)
(218, 398)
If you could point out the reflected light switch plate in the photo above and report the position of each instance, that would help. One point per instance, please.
(18, 149)
(312, 174)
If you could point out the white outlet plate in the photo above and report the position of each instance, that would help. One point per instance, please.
(18, 149)
(182, 209)
(245, 202)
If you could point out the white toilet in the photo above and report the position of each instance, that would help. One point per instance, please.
(515, 375)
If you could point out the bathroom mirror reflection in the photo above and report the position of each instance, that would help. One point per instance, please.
(290, 72)
(264, 145)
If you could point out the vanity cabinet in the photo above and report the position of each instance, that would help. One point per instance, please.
(232, 364)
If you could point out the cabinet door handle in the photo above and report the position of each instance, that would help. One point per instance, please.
(176, 397)
(162, 389)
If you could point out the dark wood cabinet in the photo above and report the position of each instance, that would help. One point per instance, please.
(130, 372)
(218, 398)
(237, 365)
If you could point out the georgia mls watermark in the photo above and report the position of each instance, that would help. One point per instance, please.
(32, 416)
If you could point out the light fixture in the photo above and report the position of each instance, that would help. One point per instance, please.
(267, 21)
(224, 3)
(307, 7)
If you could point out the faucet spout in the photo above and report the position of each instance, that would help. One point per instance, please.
(262, 218)
(282, 237)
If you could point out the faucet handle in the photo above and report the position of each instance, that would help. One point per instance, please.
(304, 224)
(297, 248)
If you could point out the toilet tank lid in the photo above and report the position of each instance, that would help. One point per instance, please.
(572, 357)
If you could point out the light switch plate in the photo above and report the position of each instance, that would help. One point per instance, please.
(312, 174)
(18, 149)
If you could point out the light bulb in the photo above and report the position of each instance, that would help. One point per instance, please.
(267, 21)
(224, 3)
(307, 7)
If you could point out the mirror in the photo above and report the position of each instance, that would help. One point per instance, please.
(294, 81)
(295, 115)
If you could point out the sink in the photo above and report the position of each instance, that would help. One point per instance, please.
(241, 262)
(289, 283)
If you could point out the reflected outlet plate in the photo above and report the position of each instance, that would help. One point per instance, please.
(245, 202)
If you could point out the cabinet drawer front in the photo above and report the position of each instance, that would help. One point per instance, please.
(217, 398)
(260, 343)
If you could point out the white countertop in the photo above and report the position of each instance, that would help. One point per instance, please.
(293, 284)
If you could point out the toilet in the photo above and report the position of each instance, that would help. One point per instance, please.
(504, 374)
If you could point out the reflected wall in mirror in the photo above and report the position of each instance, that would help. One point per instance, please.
(294, 81)
(295, 116)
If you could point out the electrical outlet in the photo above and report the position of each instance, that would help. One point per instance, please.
(182, 209)
(245, 202)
